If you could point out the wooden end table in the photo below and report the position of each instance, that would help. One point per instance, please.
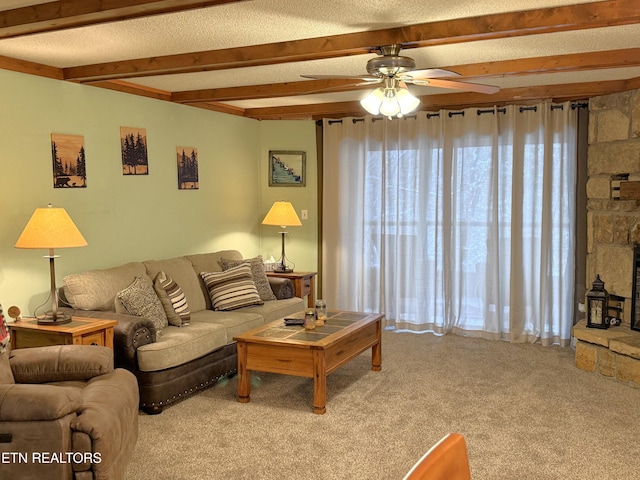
(304, 284)
(292, 350)
(27, 333)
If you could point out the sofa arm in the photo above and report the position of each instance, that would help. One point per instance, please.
(129, 334)
(60, 363)
(27, 403)
(282, 287)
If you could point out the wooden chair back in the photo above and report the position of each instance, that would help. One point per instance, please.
(446, 460)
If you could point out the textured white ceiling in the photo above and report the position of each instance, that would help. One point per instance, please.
(240, 24)
(268, 21)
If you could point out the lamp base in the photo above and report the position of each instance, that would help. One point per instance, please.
(283, 270)
(60, 319)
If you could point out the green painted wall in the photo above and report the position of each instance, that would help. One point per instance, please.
(130, 218)
(301, 242)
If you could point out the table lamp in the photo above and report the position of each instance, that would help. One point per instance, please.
(51, 228)
(284, 215)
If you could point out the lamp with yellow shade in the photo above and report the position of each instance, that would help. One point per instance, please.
(50, 228)
(284, 215)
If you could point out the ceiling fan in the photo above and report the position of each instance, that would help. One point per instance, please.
(394, 72)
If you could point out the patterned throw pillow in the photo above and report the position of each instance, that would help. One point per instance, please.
(173, 300)
(231, 289)
(4, 332)
(6, 375)
(257, 272)
(140, 299)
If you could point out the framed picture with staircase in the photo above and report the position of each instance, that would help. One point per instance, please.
(287, 168)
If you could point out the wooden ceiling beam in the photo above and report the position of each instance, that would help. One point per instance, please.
(134, 89)
(501, 25)
(64, 14)
(575, 62)
(249, 92)
(524, 95)
(517, 67)
(32, 68)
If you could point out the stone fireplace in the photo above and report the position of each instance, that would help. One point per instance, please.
(613, 230)
(613, 202)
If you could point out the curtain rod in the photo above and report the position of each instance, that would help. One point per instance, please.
(479, 112)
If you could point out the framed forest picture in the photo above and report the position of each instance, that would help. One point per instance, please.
(133, 143)
(187, 158)
(69, 163)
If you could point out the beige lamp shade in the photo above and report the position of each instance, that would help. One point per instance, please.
(283, 214)
(49, 228)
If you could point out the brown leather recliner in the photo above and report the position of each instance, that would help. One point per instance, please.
(66, 413)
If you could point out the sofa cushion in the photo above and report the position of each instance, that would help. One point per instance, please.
(211, 262)
(181, 270)
(234, 322)
(140, 299)
(97, 289)
(276, 309)
(60, 363)
(173, 300)
(231, 289)
(257, 272)
(178, 346)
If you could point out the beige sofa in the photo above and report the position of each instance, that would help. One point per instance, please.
(171, 361)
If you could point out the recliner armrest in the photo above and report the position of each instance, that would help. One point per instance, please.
(22, 402)
(60, 363)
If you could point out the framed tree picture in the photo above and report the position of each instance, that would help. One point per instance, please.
(69, 163)
(287, 168)
(133, 143)
(187, 158)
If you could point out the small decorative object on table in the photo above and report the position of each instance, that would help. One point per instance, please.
(14, 312)
(597, 305)
(310, 319)
(321, 312)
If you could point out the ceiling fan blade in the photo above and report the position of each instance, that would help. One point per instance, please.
(430, 73)
(454, 85)
(365, 78)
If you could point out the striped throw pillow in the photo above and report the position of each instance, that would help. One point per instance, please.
(231, 289)
(174, 300)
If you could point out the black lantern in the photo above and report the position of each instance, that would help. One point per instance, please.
(597, 305)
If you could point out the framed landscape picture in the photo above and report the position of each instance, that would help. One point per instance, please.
(133, 143)
(187, 158)
(287, 168)
(69, 163)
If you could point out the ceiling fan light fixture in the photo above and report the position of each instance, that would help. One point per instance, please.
(390, 106)
(372, 102)
(392, 100)
(408, 103)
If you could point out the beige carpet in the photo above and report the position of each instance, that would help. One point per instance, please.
(525, 410)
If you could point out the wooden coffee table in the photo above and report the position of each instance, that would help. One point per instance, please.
(292, 350)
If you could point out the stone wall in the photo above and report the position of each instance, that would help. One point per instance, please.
(613, 225)
(613, 353)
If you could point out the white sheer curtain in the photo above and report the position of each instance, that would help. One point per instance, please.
(454, 222)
